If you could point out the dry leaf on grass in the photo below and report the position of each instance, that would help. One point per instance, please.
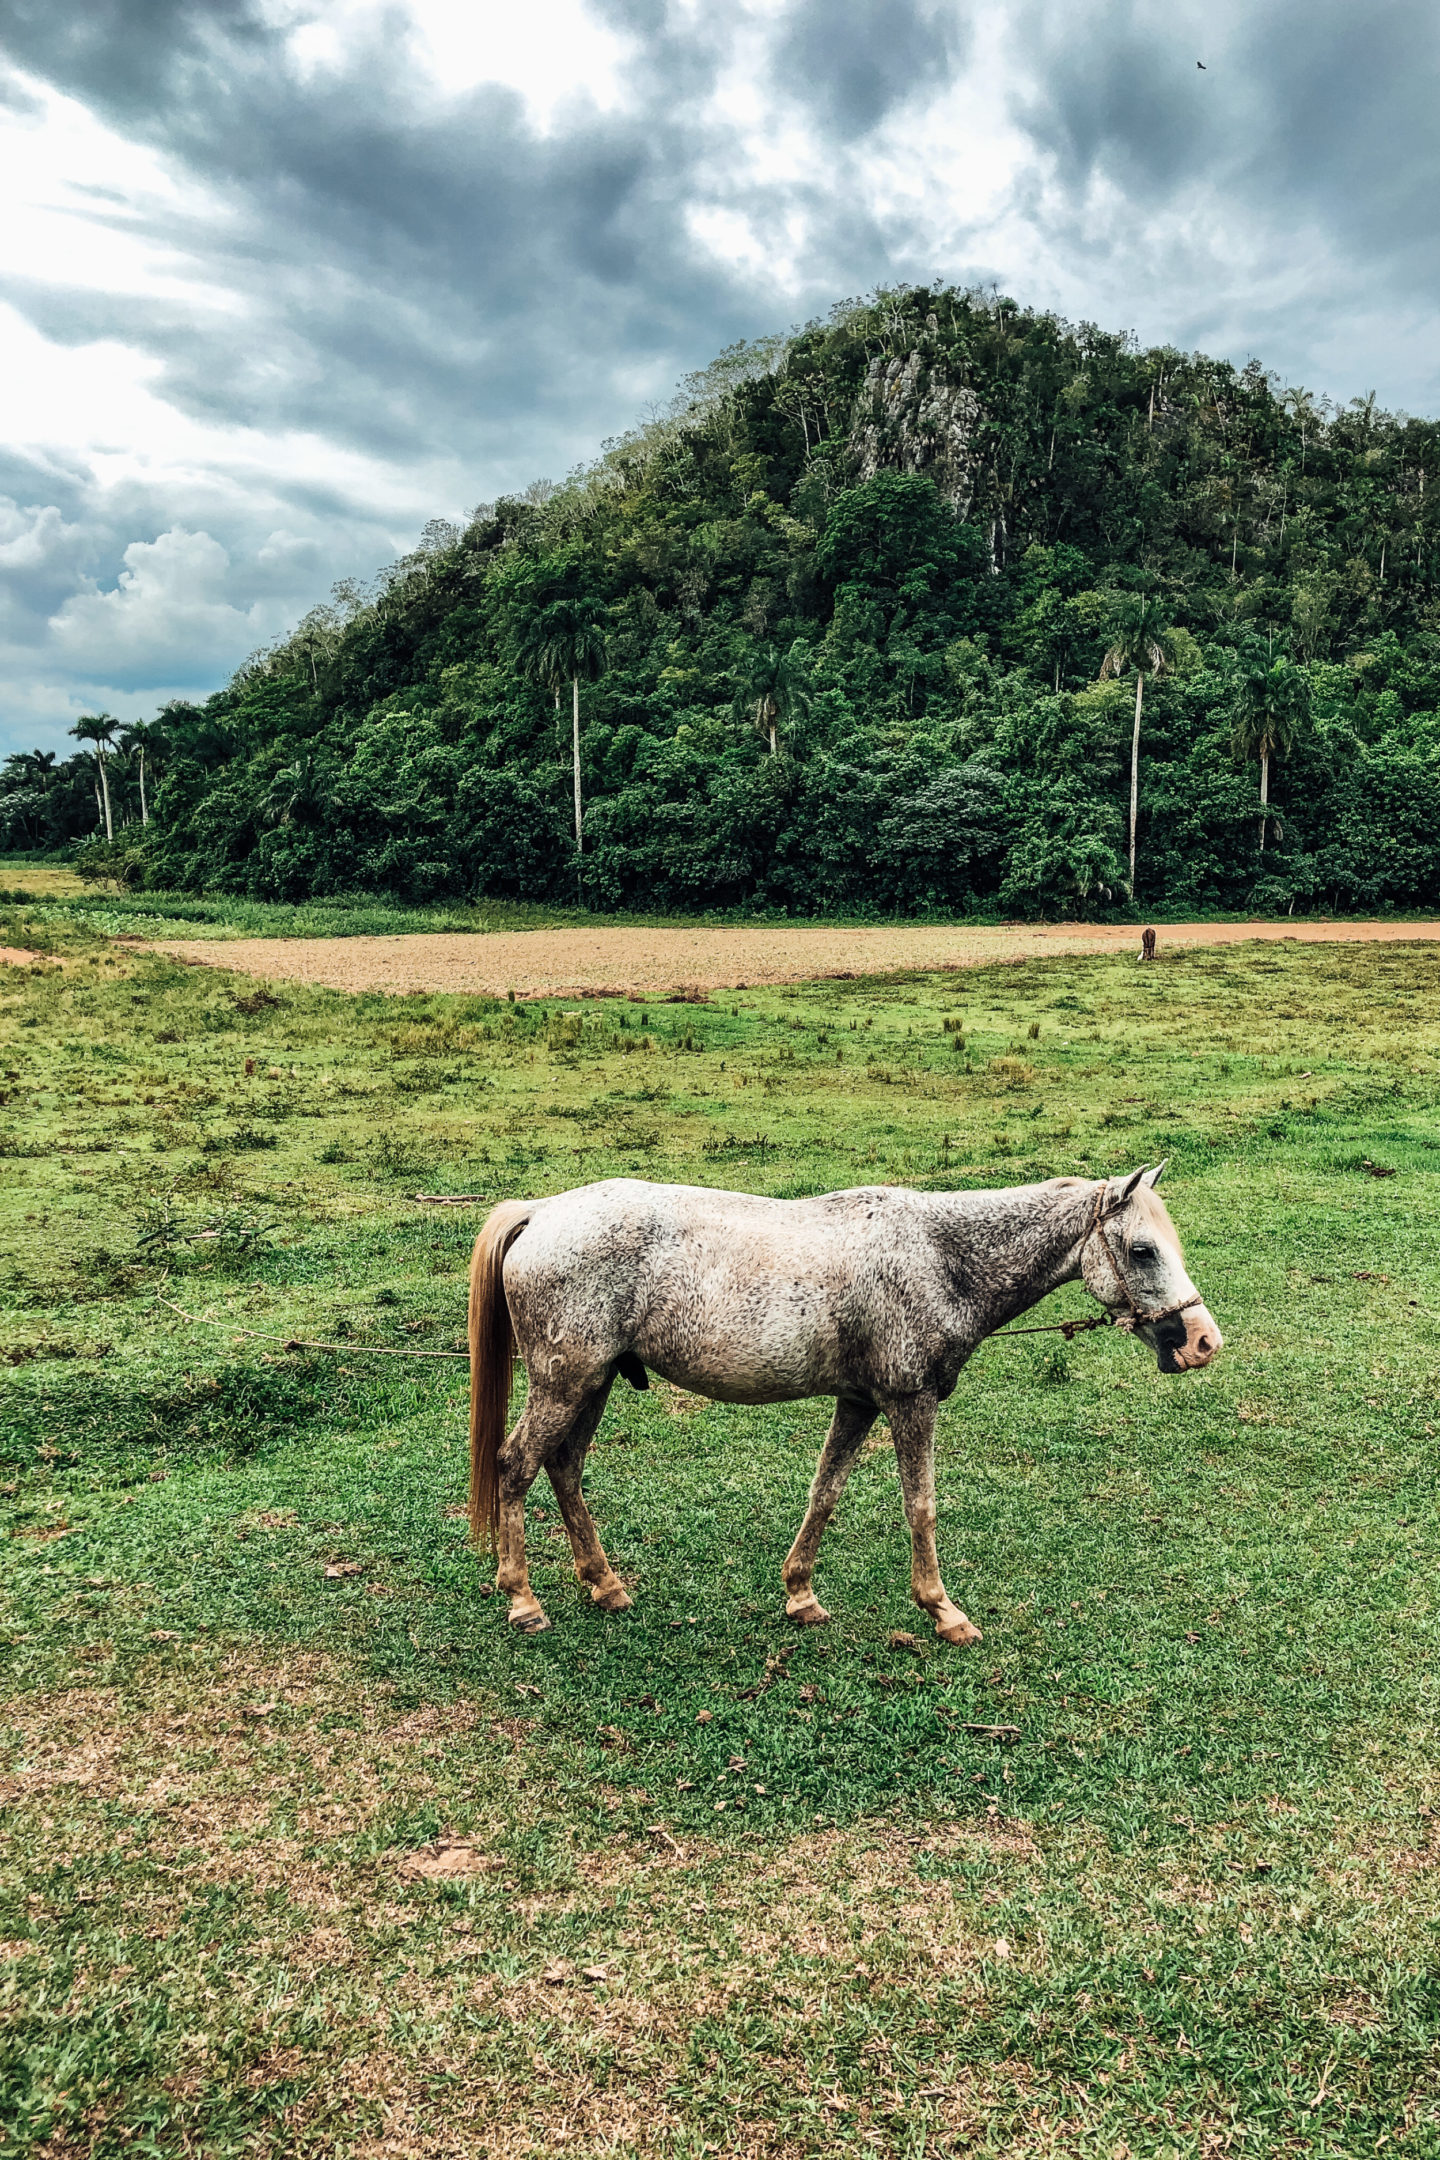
(900, 1640)
(334, 1569)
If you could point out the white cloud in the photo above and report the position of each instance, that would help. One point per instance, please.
(169, 598)
(82, 203)
(551, 52)
(34, 538)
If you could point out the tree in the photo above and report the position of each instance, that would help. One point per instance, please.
(24, 782)
(559, 642)
(144, 739)
(1272, 703)
(99, 729)
(296, 795)
(774, 689)
(1140, 639)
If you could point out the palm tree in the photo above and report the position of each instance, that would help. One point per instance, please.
(295, 795)
(774, 689)
(1140, 639)
(1272, 703)
(99, 728)
(1305, 411)
(563, 643)
(144, 739)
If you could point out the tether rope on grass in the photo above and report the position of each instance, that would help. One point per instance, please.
(300, 1342)
(1068, 1328)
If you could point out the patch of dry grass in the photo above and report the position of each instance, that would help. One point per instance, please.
(221, 1923)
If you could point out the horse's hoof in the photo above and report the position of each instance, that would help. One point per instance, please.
(612, 1599)
(807, 1611)
(961, 1631)
(529, 1623)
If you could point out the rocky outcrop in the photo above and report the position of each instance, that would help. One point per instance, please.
(908, 418)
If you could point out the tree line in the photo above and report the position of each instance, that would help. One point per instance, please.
(48, 802)
(937, 604)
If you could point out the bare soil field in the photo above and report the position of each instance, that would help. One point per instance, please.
(619, 962)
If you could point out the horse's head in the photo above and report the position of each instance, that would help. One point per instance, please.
(1132, 1263)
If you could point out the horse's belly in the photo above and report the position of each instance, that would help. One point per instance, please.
(752, 1350)
(729, 1380)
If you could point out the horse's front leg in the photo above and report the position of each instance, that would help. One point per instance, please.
(912, 1422)
(848, 1427)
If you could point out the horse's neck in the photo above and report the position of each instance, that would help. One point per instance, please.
(1007, 1251)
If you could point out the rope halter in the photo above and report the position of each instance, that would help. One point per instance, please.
(1135, 1316)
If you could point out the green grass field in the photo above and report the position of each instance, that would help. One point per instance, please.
(688, 1882)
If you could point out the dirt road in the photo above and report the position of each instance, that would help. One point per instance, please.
(656, 963)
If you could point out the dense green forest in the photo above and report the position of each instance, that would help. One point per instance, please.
(862, 624)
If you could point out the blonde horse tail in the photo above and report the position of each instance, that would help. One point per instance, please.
(492, 1363)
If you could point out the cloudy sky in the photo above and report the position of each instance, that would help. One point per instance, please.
(282, 279)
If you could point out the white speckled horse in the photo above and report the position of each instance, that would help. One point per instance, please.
(876, 1296)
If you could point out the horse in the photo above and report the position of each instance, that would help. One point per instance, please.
(875, 1296)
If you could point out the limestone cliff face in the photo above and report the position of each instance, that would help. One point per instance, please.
(908, 418)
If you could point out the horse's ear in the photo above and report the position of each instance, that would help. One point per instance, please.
(1127, 1190)
(1153, 1177)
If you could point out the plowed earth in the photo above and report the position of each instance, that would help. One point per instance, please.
(660, 962)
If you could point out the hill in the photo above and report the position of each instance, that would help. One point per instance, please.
(856, 627)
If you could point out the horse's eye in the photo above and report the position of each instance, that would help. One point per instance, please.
(1142, 1252)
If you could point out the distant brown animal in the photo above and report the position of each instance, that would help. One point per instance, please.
(1147, 944)
(877, 1297)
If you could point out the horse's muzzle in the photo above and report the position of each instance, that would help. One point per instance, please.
(1186, 1341)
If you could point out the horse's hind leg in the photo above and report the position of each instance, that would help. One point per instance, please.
(564, 1469)
(912, 1421)
(848, 1427)
(545, 1430)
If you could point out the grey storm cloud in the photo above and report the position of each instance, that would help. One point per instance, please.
(435, 284)
(1306, 109)
(854, 62)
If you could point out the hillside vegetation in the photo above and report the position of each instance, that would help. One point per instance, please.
(856, 627)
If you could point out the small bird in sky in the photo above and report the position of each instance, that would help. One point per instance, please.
(1202, 67)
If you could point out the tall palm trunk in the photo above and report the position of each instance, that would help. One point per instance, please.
(579, 843)
(1264, 791)
(144, 808)
(105, 789)
(1135, 769)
